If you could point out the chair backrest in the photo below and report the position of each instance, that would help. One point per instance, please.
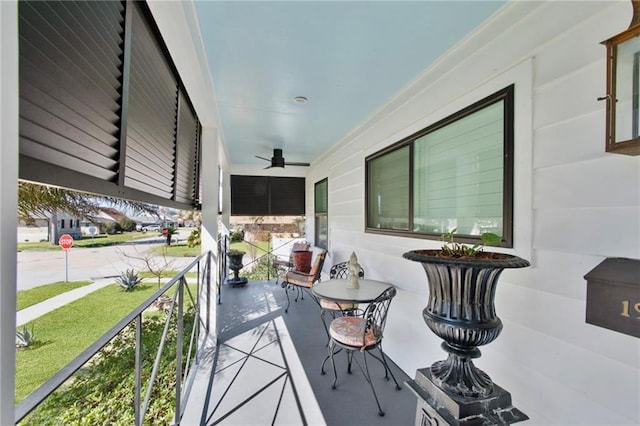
(340, 271)
(318, 263)
(376, 313)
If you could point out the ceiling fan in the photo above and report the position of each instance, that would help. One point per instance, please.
(278, 160)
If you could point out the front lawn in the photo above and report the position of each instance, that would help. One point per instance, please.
(39, 294)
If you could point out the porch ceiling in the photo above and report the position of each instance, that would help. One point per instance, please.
(346, 58)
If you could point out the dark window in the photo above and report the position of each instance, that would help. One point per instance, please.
(321, 202)
(267, 196)
(61, 223)
(457, 173)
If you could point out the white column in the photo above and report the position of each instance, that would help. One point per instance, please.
(9, 189)
(209, 182)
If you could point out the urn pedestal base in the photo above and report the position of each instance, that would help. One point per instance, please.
(438, 408)
(237, 281)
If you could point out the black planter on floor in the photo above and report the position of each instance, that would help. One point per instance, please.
(235, 264)
(461, 311)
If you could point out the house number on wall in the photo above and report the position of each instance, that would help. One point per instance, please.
(626, 305)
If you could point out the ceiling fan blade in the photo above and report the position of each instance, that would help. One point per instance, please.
(296, 164)
(262, 158)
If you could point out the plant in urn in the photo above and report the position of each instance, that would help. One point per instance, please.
(462, 284)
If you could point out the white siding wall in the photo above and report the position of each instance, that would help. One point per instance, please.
(574, 206)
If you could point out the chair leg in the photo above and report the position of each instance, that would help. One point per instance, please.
(324, 324)
(333, 364)
(368, 377)
(286, 291)
(387, 369)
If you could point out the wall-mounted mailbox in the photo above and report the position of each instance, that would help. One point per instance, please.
(613, 295)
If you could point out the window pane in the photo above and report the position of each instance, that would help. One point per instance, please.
(388, 190)
(322, 231)
(458, 175)
(321, 197)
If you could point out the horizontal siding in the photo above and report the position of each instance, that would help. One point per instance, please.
(575, 205)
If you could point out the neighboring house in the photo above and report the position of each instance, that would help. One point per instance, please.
(43, 228)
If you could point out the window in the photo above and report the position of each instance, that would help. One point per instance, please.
(267, 196)
(321, 218)
(61, 223)
(457, 173)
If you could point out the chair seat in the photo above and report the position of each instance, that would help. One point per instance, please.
(299, 279)
(333, 306)
(350, 331)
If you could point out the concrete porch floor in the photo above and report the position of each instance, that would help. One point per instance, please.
(265, 369)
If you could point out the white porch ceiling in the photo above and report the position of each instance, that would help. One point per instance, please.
(347, 58)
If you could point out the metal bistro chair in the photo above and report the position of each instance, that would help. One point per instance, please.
(362, 334)
(301, 281)
(338, 271)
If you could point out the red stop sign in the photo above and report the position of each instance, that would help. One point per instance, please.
(65, 241)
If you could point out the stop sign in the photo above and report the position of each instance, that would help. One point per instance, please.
(65, 241)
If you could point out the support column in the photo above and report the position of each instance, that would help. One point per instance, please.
(9, 136)
(209, 183)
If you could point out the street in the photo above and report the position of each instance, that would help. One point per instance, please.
(36, 268)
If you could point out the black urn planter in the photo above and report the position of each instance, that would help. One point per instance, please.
(235, 264)
(461, 311)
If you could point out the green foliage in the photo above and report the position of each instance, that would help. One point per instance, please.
(103, 391)
(455, 249)
(129, 280)
(110, 228)
(195, 238)
(170, 231)
(237, 235)
(24, 337)
(39, 200)
(127, 224)
(260, 269)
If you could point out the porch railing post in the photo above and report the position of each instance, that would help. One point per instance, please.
(180, 326)
(138, 371)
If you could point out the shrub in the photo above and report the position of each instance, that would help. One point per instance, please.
(129, 280)
(127, 224)
(237, 235)
(195, 238)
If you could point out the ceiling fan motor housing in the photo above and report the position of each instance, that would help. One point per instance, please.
(277, 160)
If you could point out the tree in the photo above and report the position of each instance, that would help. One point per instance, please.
(39, 200)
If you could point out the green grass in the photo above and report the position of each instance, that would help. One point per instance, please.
(167, 274)
(178, 250)
(62, 334)
(101, 240)
(35, 295)
(261, 248)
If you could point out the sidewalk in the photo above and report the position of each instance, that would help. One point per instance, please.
(39, 309)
